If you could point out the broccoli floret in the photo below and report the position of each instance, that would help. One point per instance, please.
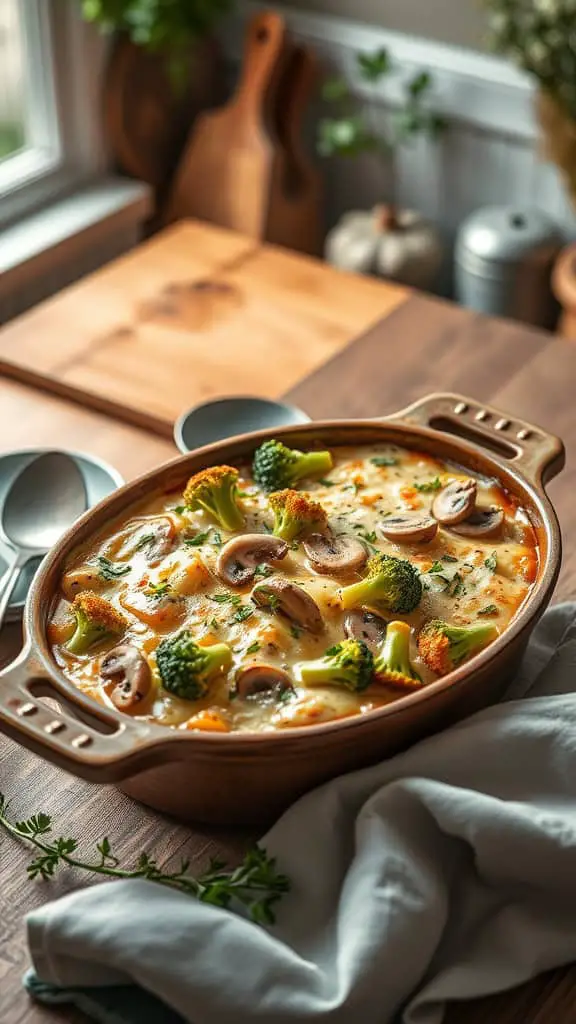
(294, 513)
(349, 664)
(392, 665)
(442, 647)
(186, 669)
(392, 583)
(215, 490)
(275, 466)
(96, 620)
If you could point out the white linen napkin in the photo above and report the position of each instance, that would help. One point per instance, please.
(448, 872)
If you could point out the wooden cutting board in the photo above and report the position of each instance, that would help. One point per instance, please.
(195, 313)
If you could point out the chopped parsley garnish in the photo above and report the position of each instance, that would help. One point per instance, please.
(204, 538)
(437, 567)
(327, 483)
(449, 558)
(352, 487)
(108, 571)
(180, 509)
(262, 571)
(195, 542)
(243, 613)
(456, 586)
(295, 631)
(490, 609)
(158, 590)
(214, 624)
(225, 598)
(491, 562)
(272, 599)
(369, 536)
(384, 460)
(145, 540)
(429, 486)
(254, 648)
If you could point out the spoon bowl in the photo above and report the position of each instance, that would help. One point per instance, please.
(228, 417)
(45, 499)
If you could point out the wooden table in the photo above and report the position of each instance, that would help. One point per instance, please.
(423, 345)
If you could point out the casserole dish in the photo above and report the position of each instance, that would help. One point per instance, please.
(251, 777)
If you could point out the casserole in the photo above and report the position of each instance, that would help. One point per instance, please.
(251, 777)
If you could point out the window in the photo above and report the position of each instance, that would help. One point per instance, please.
(48, 111)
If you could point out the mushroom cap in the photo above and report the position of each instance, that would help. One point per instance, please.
(287, 598)
(128, 666)
(332, 555)
(484, 522)
(262, 679)
(455, 502)
(409, 529)
(367, 626)
(238, 559)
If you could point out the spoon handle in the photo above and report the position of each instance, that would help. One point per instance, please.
(7, 584)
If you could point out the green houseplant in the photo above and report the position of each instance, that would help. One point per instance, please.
(163, 69)
(540, 37)
(398, 244)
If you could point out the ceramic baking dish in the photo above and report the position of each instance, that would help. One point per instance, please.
(233, 777)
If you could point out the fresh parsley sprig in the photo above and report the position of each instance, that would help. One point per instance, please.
(255, 884)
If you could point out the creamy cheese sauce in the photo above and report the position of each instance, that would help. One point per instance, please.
(465, 580)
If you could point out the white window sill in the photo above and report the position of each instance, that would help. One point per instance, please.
(73, 236)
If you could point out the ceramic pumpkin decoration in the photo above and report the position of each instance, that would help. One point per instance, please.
(396, 244)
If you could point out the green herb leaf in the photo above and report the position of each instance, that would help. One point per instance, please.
(197, 540)
(369, 536)
(491, 562)
(429, 486)
(327, 483)
(374, 66)
(156, 591)
(437, 567)
(490, 609)
(456, 586)
(180, 509)
(448, 558)
(243, 613)
(255, 884)
(262, 571)
(108, 571)
(254, 648)
(223, 598)
(145, 540)
(295, 631)
(384, 460)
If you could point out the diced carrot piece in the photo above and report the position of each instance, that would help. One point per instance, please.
(410, 497)
(370, 499)
(60, 632)
(208, 721)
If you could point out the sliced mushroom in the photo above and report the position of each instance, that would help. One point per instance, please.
(262, 679)
(127, 665)
(484, 522)
(455, 502)
(361, 624)
(409, 529)
(158, 539)
(334, 555)
(77, 580)
(278, 595)
(238, 558)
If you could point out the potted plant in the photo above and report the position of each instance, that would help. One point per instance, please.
(398, 244)
(163, 69)
(539, 37)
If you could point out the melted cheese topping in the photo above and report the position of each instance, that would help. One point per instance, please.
(464, 581)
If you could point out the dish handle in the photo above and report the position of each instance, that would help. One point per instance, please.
(80, 736)
(538, 455)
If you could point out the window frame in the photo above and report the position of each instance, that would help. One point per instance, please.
(66, 145)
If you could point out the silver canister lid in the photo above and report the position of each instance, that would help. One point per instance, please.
(505, 235)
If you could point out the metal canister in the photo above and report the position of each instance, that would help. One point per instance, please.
(504, 260)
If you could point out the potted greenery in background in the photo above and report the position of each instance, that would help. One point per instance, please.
(540, 37)
(395, 243)
(163, 69)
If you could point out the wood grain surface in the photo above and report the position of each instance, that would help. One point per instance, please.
(424, 346)
(197, 312)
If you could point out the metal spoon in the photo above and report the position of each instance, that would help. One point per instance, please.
(44, 500)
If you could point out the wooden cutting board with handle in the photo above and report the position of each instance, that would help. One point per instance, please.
(227, 171)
